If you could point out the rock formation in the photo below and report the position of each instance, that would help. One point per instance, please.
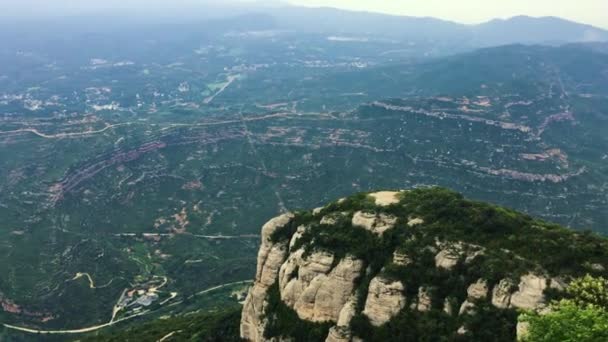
(331, 272)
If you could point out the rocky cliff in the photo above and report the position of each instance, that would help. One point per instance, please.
(410, 265)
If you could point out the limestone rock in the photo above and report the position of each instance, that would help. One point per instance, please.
(447, 259)
(376, 223)
(401, 259)
(424, 299)
(298, 234)
(275, 224)
(292, 284)
(530, 294)
(327, 294)
(385, 299)
(332, 218)
(448, 308)
(317, 211)
(270, 258)
(467, 307)
(313, 289)
(501, 294)
(385, 198)
(341, 331)
(414, 221)
(478, 290)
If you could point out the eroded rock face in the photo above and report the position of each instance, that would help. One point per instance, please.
(297, 273)
(530, 294)
(375, 223)
(385, 298)
(478, 290)
(501, 294)
(401, 259)
(270, 259)
(414, 221)
(385, 198)
(320, 285)
(332, 218)
(447, 259)
(327, 294)
(341, 331)
(424, 299)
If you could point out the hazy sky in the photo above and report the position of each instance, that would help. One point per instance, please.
(594, 12)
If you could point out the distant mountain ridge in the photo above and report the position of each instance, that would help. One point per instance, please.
(519, 29)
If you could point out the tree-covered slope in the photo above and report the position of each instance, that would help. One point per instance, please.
(426, 264)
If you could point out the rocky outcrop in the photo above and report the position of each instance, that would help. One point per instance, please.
(424, 299)
(375, 223)
(401, 259)
(333, 218)
(385, 198)
(321, 279)
(270, 258)
(447, 258)
(385, 299)
(531, 292)
(478, 290)
(323, 297)
(341, 331)
(501, 294)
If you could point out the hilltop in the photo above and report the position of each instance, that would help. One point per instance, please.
(425, 264)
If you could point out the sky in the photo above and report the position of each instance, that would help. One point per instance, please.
(594, 12)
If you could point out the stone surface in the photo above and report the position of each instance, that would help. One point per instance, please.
(467, 307)
(385, 298)
(401, 259)
(447, 259)
(327, 294)
(376, 223)
(478, 290)
(333, 218)
(424, 299)
(530, 294)
(385, 198)
(501, 294)
(313, 289)
(448, 308)
(270, 259)
(341, 331)
(414, 221)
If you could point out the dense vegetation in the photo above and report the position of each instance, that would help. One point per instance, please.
(196, 326)
(506, 245)
(284, 321)
(582, 316)
(106, 138)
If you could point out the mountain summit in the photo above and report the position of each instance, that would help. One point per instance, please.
(425, 264)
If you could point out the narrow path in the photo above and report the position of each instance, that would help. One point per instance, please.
(64, 135)
(231, 79)
(169, 335)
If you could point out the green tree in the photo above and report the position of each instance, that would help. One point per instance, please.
(568, 322)
(589, 291)
(582, 317)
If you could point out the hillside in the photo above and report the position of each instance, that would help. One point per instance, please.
(425, 264)
(170, 161)
(418, 265)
